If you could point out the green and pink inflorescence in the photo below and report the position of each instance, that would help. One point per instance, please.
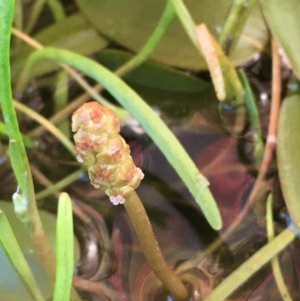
(104, 152)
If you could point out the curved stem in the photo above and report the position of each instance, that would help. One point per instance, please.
(143, 229)
(47, 125)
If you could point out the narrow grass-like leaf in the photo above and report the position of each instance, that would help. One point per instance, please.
(50, 127)
(59, 185)
(234, 24)
(254, 118)
(15, 255)
(141, 111)
(64, 249)
(251, 266)
(61, 97)
(283, 290)
(187, 22)
(18, 157)
(26, 140)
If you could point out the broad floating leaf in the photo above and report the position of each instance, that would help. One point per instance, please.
(288, 155)
(130, 24)
(283, 18)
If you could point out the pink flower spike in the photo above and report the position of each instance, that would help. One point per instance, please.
(104, 152)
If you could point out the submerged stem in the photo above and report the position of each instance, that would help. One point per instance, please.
(143, 229)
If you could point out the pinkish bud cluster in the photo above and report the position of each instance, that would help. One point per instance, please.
(105, 153)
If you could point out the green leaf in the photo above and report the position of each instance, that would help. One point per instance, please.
(224, 77)
(73, 32)
(234, 24)
(153, 75)
(249, 267)
(131, 22)
(18, 162)
(11, 286)
(144, 114)
(16, 257)
(64, 249)
(283, 18)
(288, 155)
(26, 139)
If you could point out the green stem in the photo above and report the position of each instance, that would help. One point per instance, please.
(251, 266)
(143, 229)
(142, 112)
(47, 125)
(35, 12)
(187, 22)
(58, 186)
(234, 24)
(55, 7)
(253, 114)
(18, 156)
(61, 97)
(152, 42)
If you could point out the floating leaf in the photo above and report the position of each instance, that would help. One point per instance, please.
(288, 155)
(153, 75)
(131, 22)
(283, 18)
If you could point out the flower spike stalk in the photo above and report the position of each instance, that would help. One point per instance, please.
(106, 155)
